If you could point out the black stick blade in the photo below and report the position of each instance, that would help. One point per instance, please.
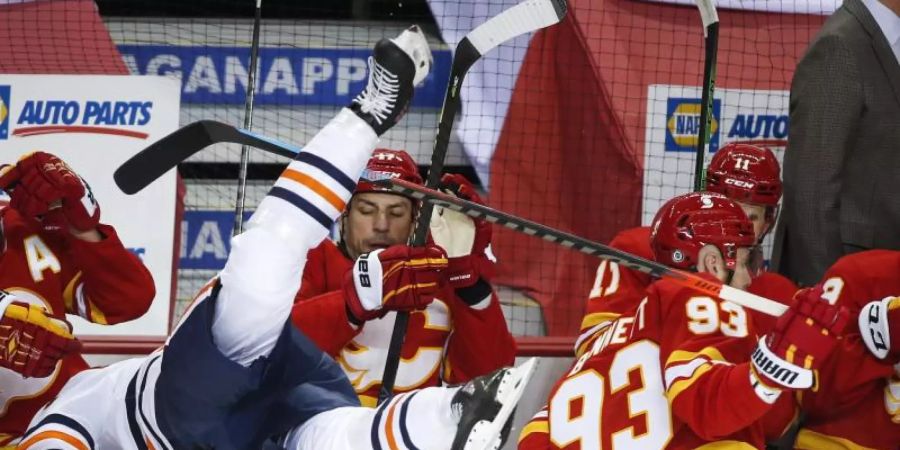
(166, 153)
(160, 157)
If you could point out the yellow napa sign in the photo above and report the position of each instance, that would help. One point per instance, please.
(683, 124)
(4, 111)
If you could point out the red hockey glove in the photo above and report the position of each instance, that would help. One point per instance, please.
(31, 342)
(42, 186)
(398, 278)
(802, 339)
(875, 320)
(466, 240)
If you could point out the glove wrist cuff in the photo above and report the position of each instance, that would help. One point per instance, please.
(779, 372)
(478, 295)
(367, 277)
(355, 322)
(766, 393)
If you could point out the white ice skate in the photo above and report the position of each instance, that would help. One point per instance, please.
(396, 66)
(486, 404)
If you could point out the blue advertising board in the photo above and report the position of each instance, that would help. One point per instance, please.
(287, 76)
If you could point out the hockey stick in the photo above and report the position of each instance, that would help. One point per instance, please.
(711, 31)
(592, 248)
(166, 153)
(248, 124)
(525, 17)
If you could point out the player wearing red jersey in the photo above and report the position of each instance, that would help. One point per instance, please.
(57, 259)
(859, 405)
(748, 175)
(616, 289)
(683, 369)
(459, 334)
(751, 176)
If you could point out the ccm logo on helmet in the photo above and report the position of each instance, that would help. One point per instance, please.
(740, 183)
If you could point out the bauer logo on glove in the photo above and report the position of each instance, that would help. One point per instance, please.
(398, 278)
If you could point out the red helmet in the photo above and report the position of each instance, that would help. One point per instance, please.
(388, 164)
(688, 222)
(745, 173)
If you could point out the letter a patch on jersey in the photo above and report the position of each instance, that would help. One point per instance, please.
(40, 258)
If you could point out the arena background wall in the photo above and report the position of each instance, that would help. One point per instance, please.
(587, 126)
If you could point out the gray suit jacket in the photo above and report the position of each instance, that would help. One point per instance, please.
(842, 162)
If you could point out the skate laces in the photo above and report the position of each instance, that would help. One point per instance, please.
(381, 92)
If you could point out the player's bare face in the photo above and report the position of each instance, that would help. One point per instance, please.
(741, 277)
(377, 220)
(757, 214)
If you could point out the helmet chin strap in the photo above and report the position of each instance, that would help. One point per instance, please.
(342, 242)
(729, 275)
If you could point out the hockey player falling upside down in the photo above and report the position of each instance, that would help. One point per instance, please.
(235, 374)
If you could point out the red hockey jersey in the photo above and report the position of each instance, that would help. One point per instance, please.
(101, 282)
(618, 289)
(447, 342)
(671, 374)
(848, 410)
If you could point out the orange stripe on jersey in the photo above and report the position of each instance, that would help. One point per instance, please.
(206, 288)
(314, 185)
(53, 434)
(389, 428)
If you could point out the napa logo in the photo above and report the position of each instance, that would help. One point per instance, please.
(4, 112)
(683, 124)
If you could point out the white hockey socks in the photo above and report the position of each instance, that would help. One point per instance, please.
(420, 419)
(312, 192)
(263, 271)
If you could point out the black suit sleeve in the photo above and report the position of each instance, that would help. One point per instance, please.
(826, 104)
